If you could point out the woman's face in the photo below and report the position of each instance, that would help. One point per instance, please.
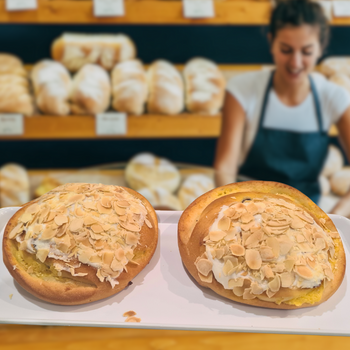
(295, 51)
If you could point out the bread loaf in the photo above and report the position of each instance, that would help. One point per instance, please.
(52, 83)
(91, 90)
(129, 87)
(340, 181)
(10, 64)
(80, 242)
(262, 244)
(204, 86)
(76, 50)
(334, 161)
(160, 198)
(334, 65)
(166, 90)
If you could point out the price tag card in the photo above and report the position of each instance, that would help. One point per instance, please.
(341, 8)
(11, 124)
(198, 8)
(18, 5)
(108, 124)
(109, 8)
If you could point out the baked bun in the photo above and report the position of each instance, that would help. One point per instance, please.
(194, 186)
(204, 86)
(334, 65)
(80, 242)
(91, 90)
(52, 83)
(76, 50)
(147, 170)
(263, 244)
(340, 181)
(334, 161)
(160, 198)
(10, 64)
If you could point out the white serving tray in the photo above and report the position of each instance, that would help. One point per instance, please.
(164, 296)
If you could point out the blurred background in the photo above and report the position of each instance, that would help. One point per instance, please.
(82, 99)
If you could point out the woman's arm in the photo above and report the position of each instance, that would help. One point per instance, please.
(230, 141)
(343, 206)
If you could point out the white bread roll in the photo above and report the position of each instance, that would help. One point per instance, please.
(166, 89)
(91, 90)
(14, 185)
(159, 197)
(341, 80)
(52, 83)
(334, 65)
(193, 187)
(76, 50)
(334, 161)
(147, 170)
(324, 185)
(204, 85)
(340, 181)
(129, 87)
(10, 64)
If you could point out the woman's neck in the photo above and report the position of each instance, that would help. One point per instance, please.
(290, 94)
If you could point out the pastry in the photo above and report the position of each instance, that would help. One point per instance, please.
(160, 198)
(341, 80)
(193, 187)
(129, 87)
(10, 64)
(76, 50)
(166, 90)
(340, 181)
(334, 161)
(263, 244)
(334, 65)
(14, 185)
(91, 90)
(80, 242)
(204, 86)
(147, 170)
(52, 83)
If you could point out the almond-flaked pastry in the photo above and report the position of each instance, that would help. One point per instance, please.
(262, 243)
(80, 242)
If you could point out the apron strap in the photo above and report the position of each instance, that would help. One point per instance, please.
(266, 96)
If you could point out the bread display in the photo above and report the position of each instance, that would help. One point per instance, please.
(14, 87)
(76, 50)
(204, 86)
(334, 161)
(14, 185)
(340, 181)
(80, 242)
(91, 90)
(341, 80)
(147, 170)
(334, 65)
(166, 89)
(51, 83)
(160, 198)
(129, 87)
(193, 187)
(262, 243)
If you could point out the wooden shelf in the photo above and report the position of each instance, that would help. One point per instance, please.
(146, 126)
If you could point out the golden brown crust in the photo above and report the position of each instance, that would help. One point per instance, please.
(198, 217)
(57, 49)
(79, 289)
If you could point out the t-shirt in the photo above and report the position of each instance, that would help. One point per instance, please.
(249, 90)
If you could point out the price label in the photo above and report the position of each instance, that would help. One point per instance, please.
(108, 124)
(18, 5)
(11, 124)
(109, 8)
(341, 8)
(198, 8)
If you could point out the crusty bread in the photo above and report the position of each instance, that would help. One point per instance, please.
(204, 86)
(10, 64)
(91, 90)
(251, 252)
(166, 89)
(76, 50)
(129, 87)
(80, 242)
(52, 83)
(334, 65)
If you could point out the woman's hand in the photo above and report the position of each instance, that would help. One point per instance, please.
(230, 141)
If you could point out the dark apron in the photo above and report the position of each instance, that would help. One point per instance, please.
(293, 158)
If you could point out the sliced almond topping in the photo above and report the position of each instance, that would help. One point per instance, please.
(256, 288)
(246, 218)
(297, 223)
(79, 212)
(232, 283)
(43, 214)
(26, 217)
(238, 291)
(334, 234)
(130, 227)
(97, 228)
(219, 252)
(303, 271)
(85, 255)
(76, 225)
(207, 279)
(37, 229)
(123, 204)
(51, 216)
(42, 254)
(320, 243)
(90, 205)
(247, 294)
(224, 223)
(273, 243)
(305, 216)
(252, 208)
(287, 279)
(61, 219)
(237, 249)
(106, 202)
(148, 223)
(278, 223)
(129, 313)
(216, 236)
(233, 260)
(113, 219)
(254, 239)
(120, 211)
(102, 210)
(228, 267)
(131, 238)
(285, 245)
(247, 227)
(300, 238)
(275, 284)
(89, 220)
(328, 272)
(49, 232)
(267, 271)
(266, 253)
(108, 257)
(204, 266)
(253, 259)
(16, 230)
(311, 263)
(33, 209)
(229, 212)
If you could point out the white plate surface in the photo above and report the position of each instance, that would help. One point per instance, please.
(164, 296)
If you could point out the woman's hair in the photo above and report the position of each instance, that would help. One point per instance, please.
(296, 13)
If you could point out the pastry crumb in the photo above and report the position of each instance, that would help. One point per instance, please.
(10, 296)
(133, 319)
(129, 313)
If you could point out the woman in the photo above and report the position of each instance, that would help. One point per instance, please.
(275, 124)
